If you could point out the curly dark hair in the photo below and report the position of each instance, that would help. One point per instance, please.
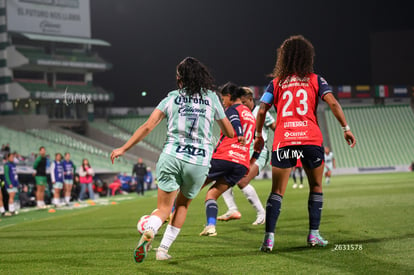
(194, 77)
(294, 57)
(233, 90)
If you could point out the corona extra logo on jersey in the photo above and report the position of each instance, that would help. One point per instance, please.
(189, 99)
(247, 115)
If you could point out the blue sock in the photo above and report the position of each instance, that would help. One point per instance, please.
(211, 211)
(315, 203)
(273, 205)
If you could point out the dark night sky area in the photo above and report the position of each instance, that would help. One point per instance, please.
(237, 40)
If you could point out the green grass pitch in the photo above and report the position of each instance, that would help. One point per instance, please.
(368, 220)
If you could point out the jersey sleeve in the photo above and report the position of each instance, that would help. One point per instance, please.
(7, 175)
(218, 109)
(52, 172)
(36, 163)
(234, 118)
(268, 96)
(324, 87)
(269, 120)
(162, 106)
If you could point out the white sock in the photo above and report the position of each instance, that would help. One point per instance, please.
(169, 237)
(2, 210)
(328, 180)
(42, 203)
(154, 223)
(252, 197)
(229, 199)
(67, 199)
(11, 207)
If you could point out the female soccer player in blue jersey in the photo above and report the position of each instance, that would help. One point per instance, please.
(295, 91)
(184, 162)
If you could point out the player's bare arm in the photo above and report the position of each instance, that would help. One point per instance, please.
(260, 119)
(340, 116)
(140, 133)
(273, 126)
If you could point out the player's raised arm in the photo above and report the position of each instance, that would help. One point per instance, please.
(340, 116)
(140, 133)
(226, 127)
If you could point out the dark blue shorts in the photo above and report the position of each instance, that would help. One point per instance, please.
(312, 156)
(230, 171)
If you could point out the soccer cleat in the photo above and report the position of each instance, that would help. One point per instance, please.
(316, 240)
(162, 254)
(230, 215)
(14, 213)
(261, 219)
(267, 245)
(209, 230)
(143, 246)
(6, 214)
(301, 186)
(295, 186)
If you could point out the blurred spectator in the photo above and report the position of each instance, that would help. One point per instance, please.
(2, 210)
(18, 158)
(140, 170)
(7, 149)
(26, 199)
(125, 182)
(115, 186)
(40, 165)
(99, 186)
(12, 181)
(86, 174)
(57, 177)
(148, 178)
(69, 172)
(76, 188)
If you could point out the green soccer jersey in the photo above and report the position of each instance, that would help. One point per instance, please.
(190, 125)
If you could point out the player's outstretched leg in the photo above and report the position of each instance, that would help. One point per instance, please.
(251, 195)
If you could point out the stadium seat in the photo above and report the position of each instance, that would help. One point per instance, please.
(28, 143)
(384, 136)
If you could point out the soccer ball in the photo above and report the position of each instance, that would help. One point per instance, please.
(141, 225)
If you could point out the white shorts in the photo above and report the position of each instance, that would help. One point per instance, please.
(12, 190)
(58, 185)
(66, 181)
(327, 168)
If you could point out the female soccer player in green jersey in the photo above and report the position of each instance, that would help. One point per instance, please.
(184, 162)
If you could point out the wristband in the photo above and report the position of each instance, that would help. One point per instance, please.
(256, 155)
(346, 128)
(258, 134)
